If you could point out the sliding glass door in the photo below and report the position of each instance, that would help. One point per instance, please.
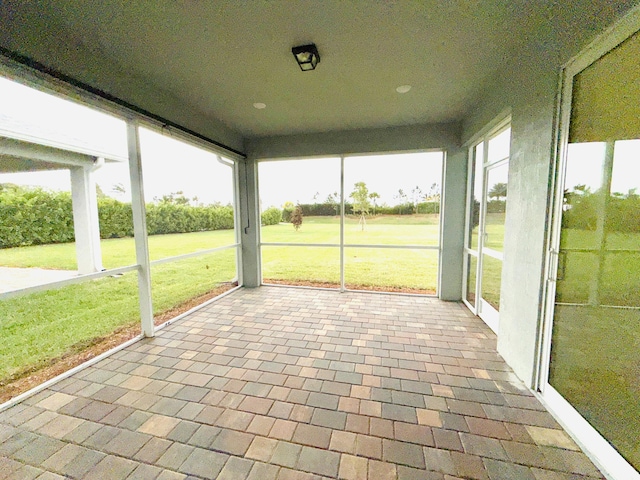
(593, 314)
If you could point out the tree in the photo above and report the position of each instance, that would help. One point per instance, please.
(361, 202)
(119, 189)
(433, 195)
(333, 200)
(374, 196)
(402, 199)
(287, 210)
(498, 191)
(100, 193)
(296, 217)
(174, 198)
(416, 196)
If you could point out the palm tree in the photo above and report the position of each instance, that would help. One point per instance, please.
(374, 196)
(498, 191)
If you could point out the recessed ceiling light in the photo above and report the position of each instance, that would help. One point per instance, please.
(403, 88)
(259, 105)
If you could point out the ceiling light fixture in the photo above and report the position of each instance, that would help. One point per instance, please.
(259, 105)
(307, 56)
(403, 88)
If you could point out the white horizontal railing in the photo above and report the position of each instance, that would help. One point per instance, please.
(286, 244)
(105, 273)
(349, 245)
(193, 254)
(406, 247)
(69, 281)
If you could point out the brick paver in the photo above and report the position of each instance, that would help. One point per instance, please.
(284, 383)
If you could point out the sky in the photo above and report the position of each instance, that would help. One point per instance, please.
(298, 181)
(585, 161)
(171, 165)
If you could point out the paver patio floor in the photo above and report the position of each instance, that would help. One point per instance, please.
(286, 383)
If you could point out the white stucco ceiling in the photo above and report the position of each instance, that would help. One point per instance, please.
(221, 57)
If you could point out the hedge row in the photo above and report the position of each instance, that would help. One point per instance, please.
(31, 217)
(623, 214)
(331, 209)
(36, 216)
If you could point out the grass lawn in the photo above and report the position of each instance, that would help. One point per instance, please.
(364, 267)
(116, 252)
(45, 325)
(379, 230)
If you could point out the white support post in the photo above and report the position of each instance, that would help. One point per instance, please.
(85, 218)
(249, 214)
(342, 215)
(140, 229)
(236, 222)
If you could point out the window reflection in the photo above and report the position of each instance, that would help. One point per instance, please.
(595, 357)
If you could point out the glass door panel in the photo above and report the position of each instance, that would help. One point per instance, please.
(595, 349)
(474, 197)
(494, 207)
(595, 340)
(491, 280)
(498, 146)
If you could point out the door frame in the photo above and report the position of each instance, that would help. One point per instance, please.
(605, 456)
(481, 308)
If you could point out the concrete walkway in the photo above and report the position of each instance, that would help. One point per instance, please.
(17, 278)
(292, 384)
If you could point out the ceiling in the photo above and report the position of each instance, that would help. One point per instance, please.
(220, 57)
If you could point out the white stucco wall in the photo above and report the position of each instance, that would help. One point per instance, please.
(528, 86)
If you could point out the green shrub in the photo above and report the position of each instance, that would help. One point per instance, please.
(320, 209)
(33, 216)
(286, 214)
(622, 216)
(271, 216)
(116, 219)
(163, 218)
(410, 209)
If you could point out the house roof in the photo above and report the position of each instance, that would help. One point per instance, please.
(29, 147)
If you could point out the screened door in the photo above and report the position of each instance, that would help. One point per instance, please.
(487, 201)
